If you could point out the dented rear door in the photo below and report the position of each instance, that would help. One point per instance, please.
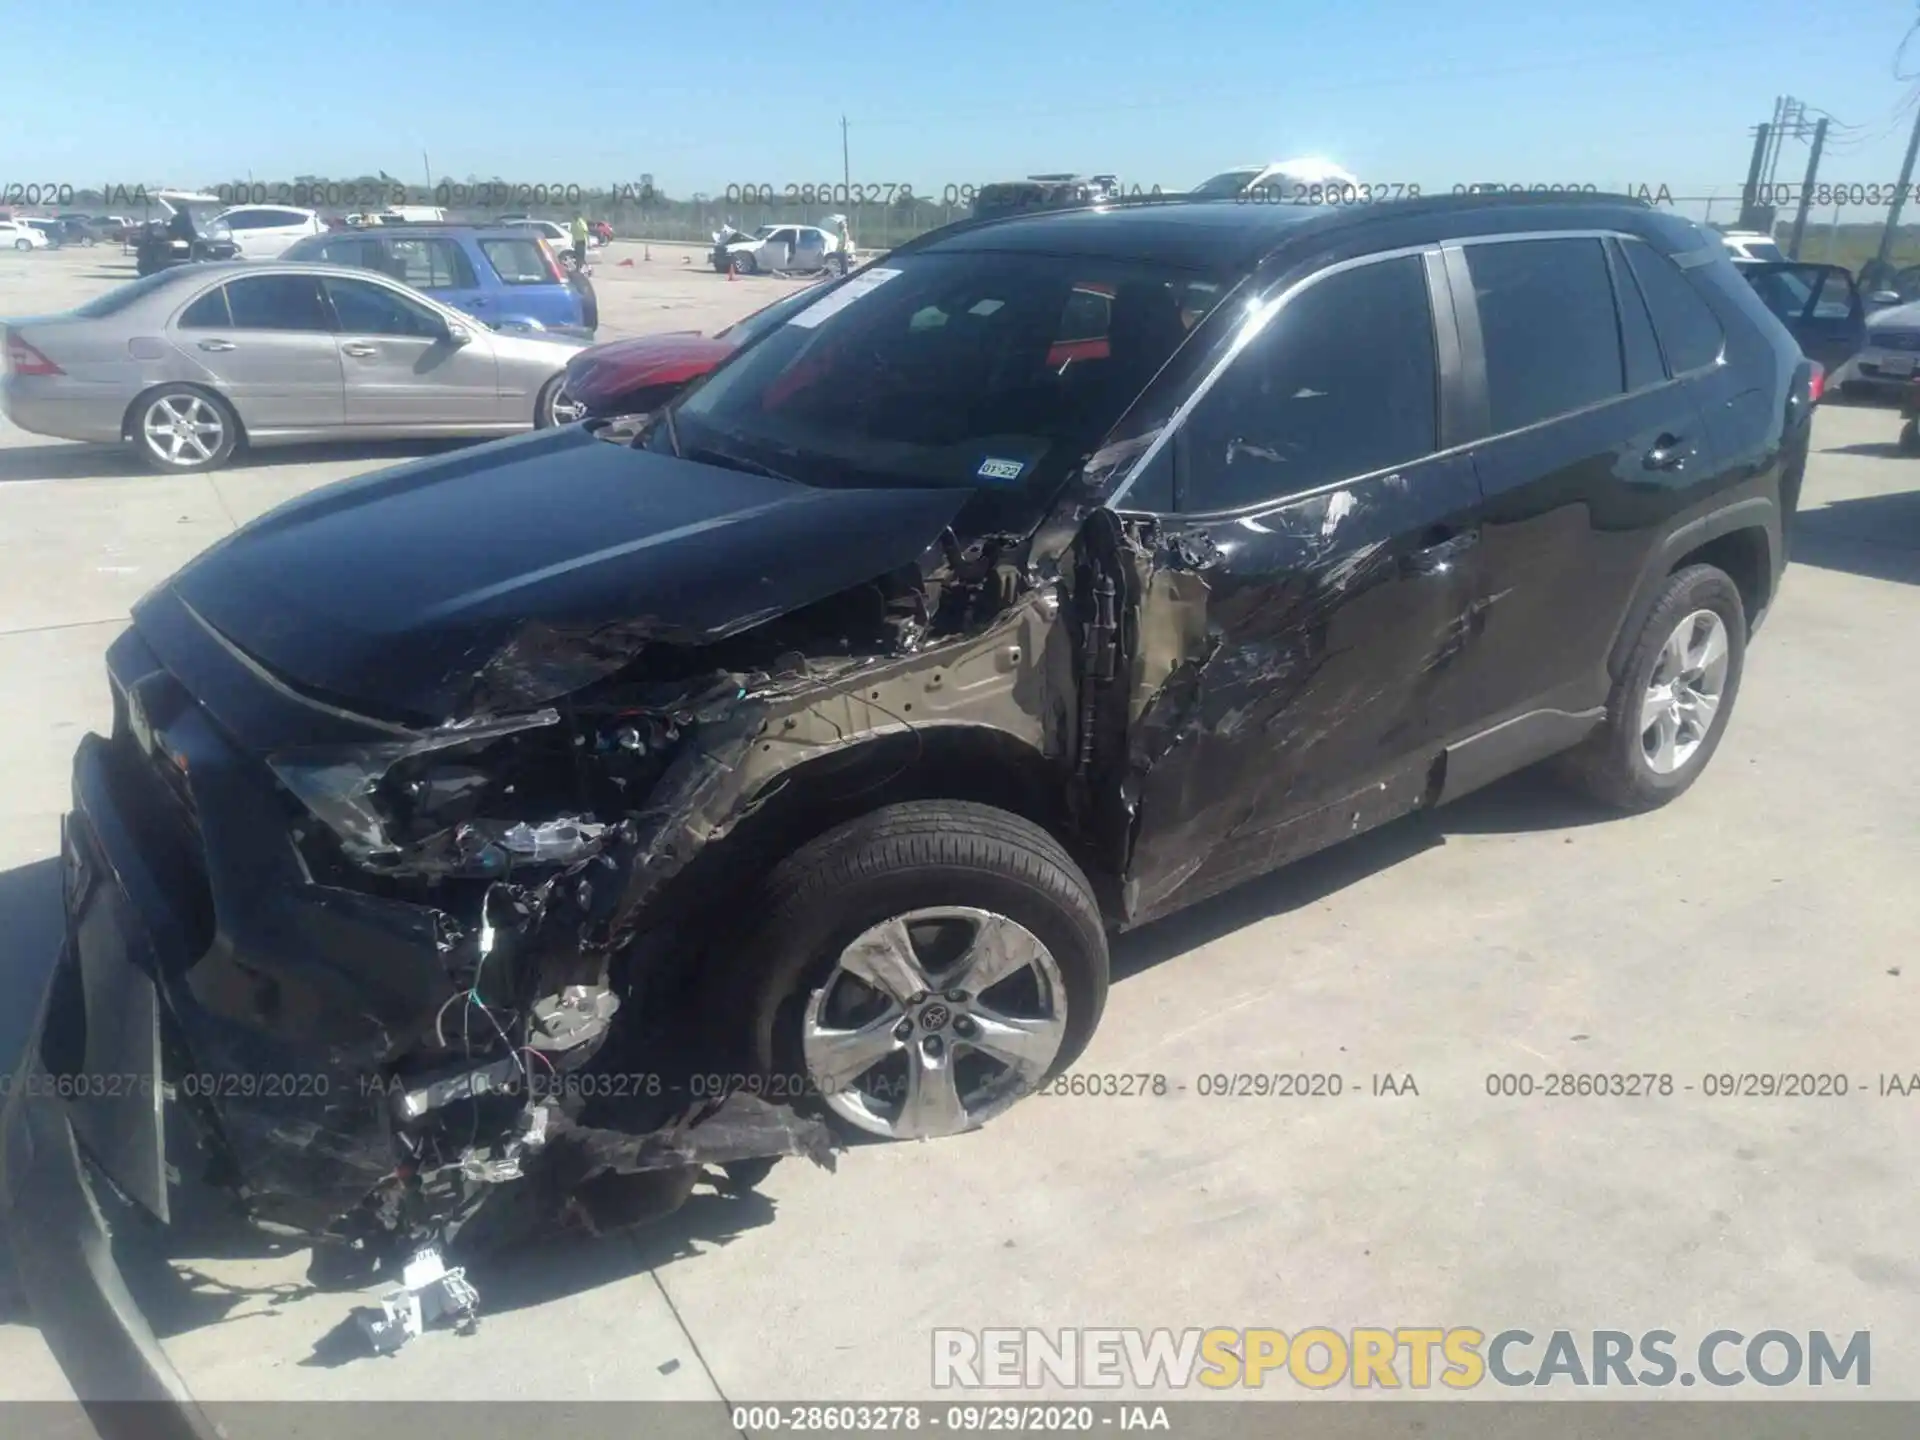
(1333, 545)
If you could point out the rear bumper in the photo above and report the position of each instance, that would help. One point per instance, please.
(64, 408)
(63, 1250)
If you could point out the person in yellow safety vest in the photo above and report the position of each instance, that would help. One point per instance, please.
(580, 241)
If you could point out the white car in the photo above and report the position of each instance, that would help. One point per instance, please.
(18, 235)
(1752, 245)
(1306, 179)
(559, 236)
(776, 249)
(264, 232)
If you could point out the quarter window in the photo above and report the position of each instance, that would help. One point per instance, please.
(1340, 382)
(517, 262)
(209, 312)
(433, 264)
(1688, 331)
(1548, 324)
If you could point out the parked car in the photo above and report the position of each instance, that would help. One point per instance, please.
(1057, 190)
(267, 232)
(633, 376)
(602, 231)
(1889, 359)
(828, 730)
(1752, 245)
(1306, 179)
(1819, 304)
(559, 236)
(780, 249)
(53, 230)
(159, 243)
(189, 364)
(503, 277)
(19, 235)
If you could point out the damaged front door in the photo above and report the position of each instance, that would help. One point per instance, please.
(1334, 554)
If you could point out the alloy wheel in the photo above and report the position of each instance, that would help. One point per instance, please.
(1684, 693)
(183, 429)
(563, 409)
(934, 1021)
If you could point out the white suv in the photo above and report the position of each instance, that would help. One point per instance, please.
(1752, 245)
(263, 232)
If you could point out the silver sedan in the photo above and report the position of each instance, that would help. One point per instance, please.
(191, 362)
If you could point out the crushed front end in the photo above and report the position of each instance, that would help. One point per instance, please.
(362, 980)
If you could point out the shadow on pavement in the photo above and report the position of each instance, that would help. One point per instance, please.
(1530, 800)
(1875, 536)
(74, 460)
(30, 919)
(1878, 449)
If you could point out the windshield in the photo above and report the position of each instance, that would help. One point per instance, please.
(764, 231)
(976, 369)
(1228, 182)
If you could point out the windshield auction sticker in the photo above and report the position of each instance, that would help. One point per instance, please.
(843, 295)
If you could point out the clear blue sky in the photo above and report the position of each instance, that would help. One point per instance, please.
(703, 93)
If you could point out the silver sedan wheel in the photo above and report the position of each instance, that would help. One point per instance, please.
(563, 409)
(183, 429)
(933, 1022)
(1689, 678)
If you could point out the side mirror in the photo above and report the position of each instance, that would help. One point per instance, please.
(459, 335)
(1884, 297)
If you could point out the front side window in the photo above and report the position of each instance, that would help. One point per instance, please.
(367, 309)
(935, 371)
(1340, 382)
(1549, 328)
(246, 219)
(276, 302)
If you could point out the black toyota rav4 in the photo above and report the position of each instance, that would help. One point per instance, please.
(611, 802)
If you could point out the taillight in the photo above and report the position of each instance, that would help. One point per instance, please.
(23, 359)
(1816, 383)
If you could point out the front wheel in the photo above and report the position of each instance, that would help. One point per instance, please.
(179, 429)
(921, 969)
(1670, 706)
(555, 406)
(1910, 437)
(23, 244)
(743, 262)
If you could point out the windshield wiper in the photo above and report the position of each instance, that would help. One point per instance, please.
(736, 462)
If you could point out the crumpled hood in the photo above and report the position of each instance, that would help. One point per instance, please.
(602, 374)
(504, 576)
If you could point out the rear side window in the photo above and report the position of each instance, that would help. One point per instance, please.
(1644, 366)
(433, 264)
(1341, 382)
(277, 302)
(1549, 328)
(517, 262)
(209, 312)
(1688, 331)
(361, 254)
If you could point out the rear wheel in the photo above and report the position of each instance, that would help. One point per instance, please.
(923, 968)
(23, 244)
(179, 429)
(1674, 696)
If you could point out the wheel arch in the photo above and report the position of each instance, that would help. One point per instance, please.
(1742, 539)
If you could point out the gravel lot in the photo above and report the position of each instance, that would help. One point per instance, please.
(1768, 921)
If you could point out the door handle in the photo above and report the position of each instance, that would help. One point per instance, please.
(217, 345)
(1439, 558)
(359, 347)
(1669, 452)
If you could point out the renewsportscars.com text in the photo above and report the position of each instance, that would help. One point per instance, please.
(1393, 1358)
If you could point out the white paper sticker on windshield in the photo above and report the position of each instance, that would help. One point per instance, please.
(829, 306)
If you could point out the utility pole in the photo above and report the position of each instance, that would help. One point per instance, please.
(1750, 195)
(427, 165)
(1833, 234)
(846, 173)
(1806, 190)
(1899, 194)
(1774, 128)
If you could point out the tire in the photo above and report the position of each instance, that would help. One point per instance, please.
(197, 408)
(744, 263)
(1613, 764)
(545, 412)
(23, 245)
(1910, 437)
(966, 859)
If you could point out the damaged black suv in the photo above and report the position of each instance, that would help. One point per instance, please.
(608, 803)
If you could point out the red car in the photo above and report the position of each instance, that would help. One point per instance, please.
(602, 231)
(630, 377)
